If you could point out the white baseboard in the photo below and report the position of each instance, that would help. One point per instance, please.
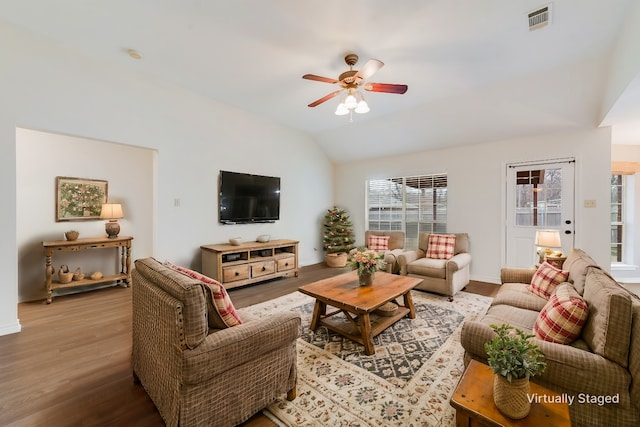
(12, 328)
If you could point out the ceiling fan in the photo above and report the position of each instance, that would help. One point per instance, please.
(352, 80)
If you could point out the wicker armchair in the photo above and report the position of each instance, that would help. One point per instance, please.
(197, 376)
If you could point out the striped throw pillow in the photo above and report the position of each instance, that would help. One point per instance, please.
(546, 279)
(378, 243)
(441, 246)
(562, 318)
(221, 312)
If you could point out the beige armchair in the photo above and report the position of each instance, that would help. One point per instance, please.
(395, 244)
(196, 374)
(443, 276)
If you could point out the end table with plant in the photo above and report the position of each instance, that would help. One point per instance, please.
(514, 359)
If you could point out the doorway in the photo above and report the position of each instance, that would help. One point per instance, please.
(539, 196)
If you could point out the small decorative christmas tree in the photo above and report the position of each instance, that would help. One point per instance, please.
(338, 234)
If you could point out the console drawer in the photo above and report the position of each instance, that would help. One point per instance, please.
(262, 268)
(287, 263)
(236, 272)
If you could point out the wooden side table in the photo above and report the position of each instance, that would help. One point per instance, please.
(122, 244)
(556, 261)
(473, 401)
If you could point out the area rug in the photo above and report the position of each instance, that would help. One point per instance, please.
(407, 382)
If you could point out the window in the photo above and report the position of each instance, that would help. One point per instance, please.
(539, 197)
(617, 215)
(410, 204)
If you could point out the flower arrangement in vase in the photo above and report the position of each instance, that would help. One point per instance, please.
(514, 359)
(367, 262)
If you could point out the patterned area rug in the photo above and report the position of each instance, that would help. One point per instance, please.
(407, 382)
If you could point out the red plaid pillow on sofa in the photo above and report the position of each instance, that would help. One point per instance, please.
(562, 318)
(378, 243)
(441, 246)
(546, 279)
(221, 312)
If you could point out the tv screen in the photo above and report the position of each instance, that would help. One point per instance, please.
(248, 198)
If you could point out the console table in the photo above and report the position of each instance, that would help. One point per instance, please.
(123, 250)
(250, 262)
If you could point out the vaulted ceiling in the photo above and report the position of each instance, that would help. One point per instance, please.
(474, 69)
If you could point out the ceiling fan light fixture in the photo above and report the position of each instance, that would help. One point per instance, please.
(362, 107)
(350, 102)
(341, 110)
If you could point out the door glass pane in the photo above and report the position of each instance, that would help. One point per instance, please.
(539, 197)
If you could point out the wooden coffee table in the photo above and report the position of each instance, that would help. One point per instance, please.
(473, 401)
(358, 303)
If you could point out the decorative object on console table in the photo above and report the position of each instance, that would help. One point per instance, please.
(112, 212)
(337, 237)
(122, 244)
(545, 240)
(79, 199)
(72, 235)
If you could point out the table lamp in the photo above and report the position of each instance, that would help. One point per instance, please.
(112, 212)
(545, 240)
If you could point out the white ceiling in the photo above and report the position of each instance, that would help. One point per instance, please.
(474, 70)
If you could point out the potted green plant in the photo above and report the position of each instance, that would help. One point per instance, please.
(337, 236)
(514, 359)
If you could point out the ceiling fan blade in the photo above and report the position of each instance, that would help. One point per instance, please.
(385, 87)
(325, 98)
(368, 69)
(319, 78)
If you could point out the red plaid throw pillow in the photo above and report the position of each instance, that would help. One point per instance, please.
(378, 243)
(441, 246)
(222, 313)
(562, 318)
(546, 279)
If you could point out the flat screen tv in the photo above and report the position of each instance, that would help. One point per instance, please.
(245, 198)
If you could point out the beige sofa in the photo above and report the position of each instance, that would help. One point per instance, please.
(602, 363)
(196, 375)
(442, 276)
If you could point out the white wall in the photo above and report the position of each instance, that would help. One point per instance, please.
(40, 158)
(476, 182)
(48, 88)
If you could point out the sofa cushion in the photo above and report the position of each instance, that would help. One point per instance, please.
(517, 295)
(378, 243)
(187, 290)
(608, 328)
(546, 279)
(562, 318)
(441, 246)
(221, 312)
(428, 267)
(576, 264)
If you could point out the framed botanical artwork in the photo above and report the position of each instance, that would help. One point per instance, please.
(79, 199)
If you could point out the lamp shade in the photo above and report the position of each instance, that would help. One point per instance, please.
(111, 211)
(548, 238)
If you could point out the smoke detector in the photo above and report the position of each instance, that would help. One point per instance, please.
(540, 17)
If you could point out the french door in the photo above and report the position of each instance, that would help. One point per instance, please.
(539, 196)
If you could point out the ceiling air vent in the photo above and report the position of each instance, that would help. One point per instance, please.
(539, 18)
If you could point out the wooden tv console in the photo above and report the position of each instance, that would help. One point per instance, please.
(250, 262)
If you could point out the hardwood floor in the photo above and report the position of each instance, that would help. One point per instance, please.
(70, 365)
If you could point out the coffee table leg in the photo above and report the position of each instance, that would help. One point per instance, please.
(408, 302)
(319, 310)
(365, 331)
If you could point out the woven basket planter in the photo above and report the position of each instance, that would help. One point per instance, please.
(511, 398)
(337, 260)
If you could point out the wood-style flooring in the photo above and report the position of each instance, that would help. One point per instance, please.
(70, 364)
